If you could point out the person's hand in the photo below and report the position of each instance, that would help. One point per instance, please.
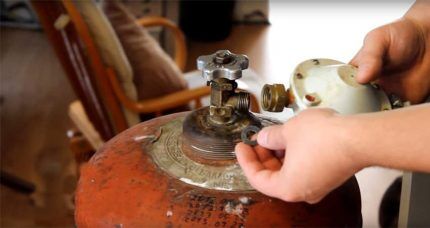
(397, 55)
(305, 159)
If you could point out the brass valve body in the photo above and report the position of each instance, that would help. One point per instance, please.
(225, 101)
(211, 133)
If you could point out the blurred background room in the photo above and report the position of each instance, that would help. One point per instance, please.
(53, 118)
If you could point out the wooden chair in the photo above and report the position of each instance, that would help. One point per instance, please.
(96, 85)
(99, 113)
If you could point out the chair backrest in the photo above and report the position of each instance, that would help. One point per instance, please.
(83, 64)
(100, 30)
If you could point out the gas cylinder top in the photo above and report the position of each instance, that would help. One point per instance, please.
(181, 169)
(123, 185)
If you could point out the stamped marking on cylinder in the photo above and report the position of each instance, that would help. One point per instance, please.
(168, 155)
(215, 212)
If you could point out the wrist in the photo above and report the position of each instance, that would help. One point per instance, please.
(419, 16)
(352, 133)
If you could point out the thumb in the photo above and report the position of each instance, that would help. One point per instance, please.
(272, 137)
(265, 180)
(369, 59)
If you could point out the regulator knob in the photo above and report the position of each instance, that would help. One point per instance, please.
(222, 64)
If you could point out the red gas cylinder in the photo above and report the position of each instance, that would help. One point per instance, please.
(180, 171)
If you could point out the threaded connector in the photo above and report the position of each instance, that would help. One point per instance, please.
(243, 101)
(274, 98)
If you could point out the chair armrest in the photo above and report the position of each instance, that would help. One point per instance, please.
(156, 104)
(180, 44)
(170, 101)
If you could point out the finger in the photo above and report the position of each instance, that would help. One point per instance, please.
(264, 180)
(280, 154)
(247, 157)
(267, 158)
(313, 201)
(272, 137)
(369, 59)
(398, 84)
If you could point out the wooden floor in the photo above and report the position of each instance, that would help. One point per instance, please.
(34, 97)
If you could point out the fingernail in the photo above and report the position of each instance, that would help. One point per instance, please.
(363, 67)
(262, 136)
(362, 71)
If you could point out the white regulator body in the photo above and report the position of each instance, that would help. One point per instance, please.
(331, 84)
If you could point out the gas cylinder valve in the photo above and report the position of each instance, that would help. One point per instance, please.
(221, 69)
(211, 133)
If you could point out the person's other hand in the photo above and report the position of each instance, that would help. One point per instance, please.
(305, 159)
(397, 55)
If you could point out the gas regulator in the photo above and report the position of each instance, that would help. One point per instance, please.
(330, 84)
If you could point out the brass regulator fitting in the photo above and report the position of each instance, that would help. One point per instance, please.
(274, 98)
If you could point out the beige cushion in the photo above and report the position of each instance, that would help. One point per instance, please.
(111, 50)
(155, 74)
